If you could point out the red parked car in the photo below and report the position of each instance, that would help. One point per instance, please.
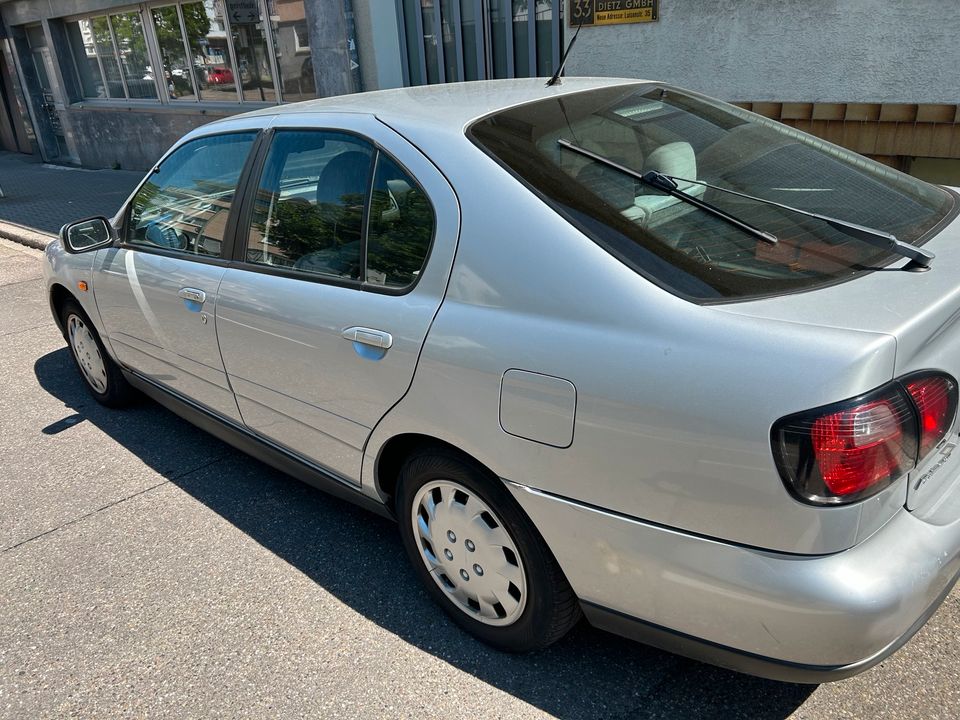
(220, 76)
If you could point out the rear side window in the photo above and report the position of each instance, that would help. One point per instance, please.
(185, 204)
(400, 227)
(308, 213)
(708, 147)
(331, 204)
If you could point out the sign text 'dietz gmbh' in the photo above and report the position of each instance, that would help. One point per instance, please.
(613, 12)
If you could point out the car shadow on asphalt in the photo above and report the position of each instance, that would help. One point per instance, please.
(357, 556)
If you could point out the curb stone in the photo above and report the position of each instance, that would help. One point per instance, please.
(25, 236)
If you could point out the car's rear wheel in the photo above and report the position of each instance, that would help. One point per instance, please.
(103, 377)
(479, 556)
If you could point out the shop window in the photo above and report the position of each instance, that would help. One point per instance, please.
(98, 47)
(213, 63)
(194, 51)
(85, 59)
(103, 39)
(134, 59)
(173, 54)
(253, 59)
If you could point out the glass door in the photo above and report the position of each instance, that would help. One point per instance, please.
(52, 140)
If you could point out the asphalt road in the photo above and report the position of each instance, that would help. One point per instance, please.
(149, 570)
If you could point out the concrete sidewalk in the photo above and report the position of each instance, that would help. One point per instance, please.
(39, 198)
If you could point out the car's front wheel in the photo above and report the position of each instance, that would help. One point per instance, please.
(479, 556)
(102, 375)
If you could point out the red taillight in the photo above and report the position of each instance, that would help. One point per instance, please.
(854, 449)
(859, 447)
(934, 397)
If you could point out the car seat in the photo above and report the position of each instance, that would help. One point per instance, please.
(653, 207)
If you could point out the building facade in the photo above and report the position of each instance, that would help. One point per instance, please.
(110, 83)
(103, 83)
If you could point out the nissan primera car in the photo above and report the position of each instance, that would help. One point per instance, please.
(606, 347)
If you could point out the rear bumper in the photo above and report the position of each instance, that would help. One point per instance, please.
(799, 618)
(740, 660)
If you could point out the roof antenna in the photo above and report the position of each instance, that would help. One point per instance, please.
(555, 80)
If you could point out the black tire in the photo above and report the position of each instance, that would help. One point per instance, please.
(116, 391)
(551, 608)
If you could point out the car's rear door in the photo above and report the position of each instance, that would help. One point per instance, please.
(157, 291)
(344, 248)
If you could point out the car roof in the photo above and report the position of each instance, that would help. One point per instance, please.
(445, 105)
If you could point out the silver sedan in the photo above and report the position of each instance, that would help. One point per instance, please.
(605, 348)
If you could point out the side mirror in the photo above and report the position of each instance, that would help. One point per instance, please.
(86, 235)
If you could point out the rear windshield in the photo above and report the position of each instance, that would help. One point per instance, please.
(681, 247)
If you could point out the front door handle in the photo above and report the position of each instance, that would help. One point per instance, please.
(369, 336)
(192, 294)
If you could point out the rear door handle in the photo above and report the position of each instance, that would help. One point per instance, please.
(369, 336)
(192, 294)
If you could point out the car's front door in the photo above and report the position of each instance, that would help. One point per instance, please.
(343, 261)
(157, 291)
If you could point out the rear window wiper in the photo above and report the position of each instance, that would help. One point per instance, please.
(666, 184)
(919, 258)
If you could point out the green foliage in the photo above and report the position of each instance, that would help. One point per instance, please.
(298, 229)
(396, 247)
(168, 26)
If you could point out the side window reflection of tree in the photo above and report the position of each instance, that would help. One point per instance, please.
(400, 228)
(309, 209)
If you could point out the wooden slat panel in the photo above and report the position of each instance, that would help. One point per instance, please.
(768, 109)
(869, 112)
(942, 140)
(936, 113)
(829, 111)
(867, 140)
(922, 140)
(796, 111)
(886, 137)
(903, 142)
(898, 112)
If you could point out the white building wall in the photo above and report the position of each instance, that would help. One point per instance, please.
(901, 51)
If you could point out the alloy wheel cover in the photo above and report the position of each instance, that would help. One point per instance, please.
(87, 353)
(469, 553)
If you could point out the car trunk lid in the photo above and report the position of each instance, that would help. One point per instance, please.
(920, 309)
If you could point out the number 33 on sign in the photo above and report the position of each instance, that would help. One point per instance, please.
(613, 12)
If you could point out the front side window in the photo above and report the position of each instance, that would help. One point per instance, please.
(695, 140)
(330, 204)
(185, 204)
